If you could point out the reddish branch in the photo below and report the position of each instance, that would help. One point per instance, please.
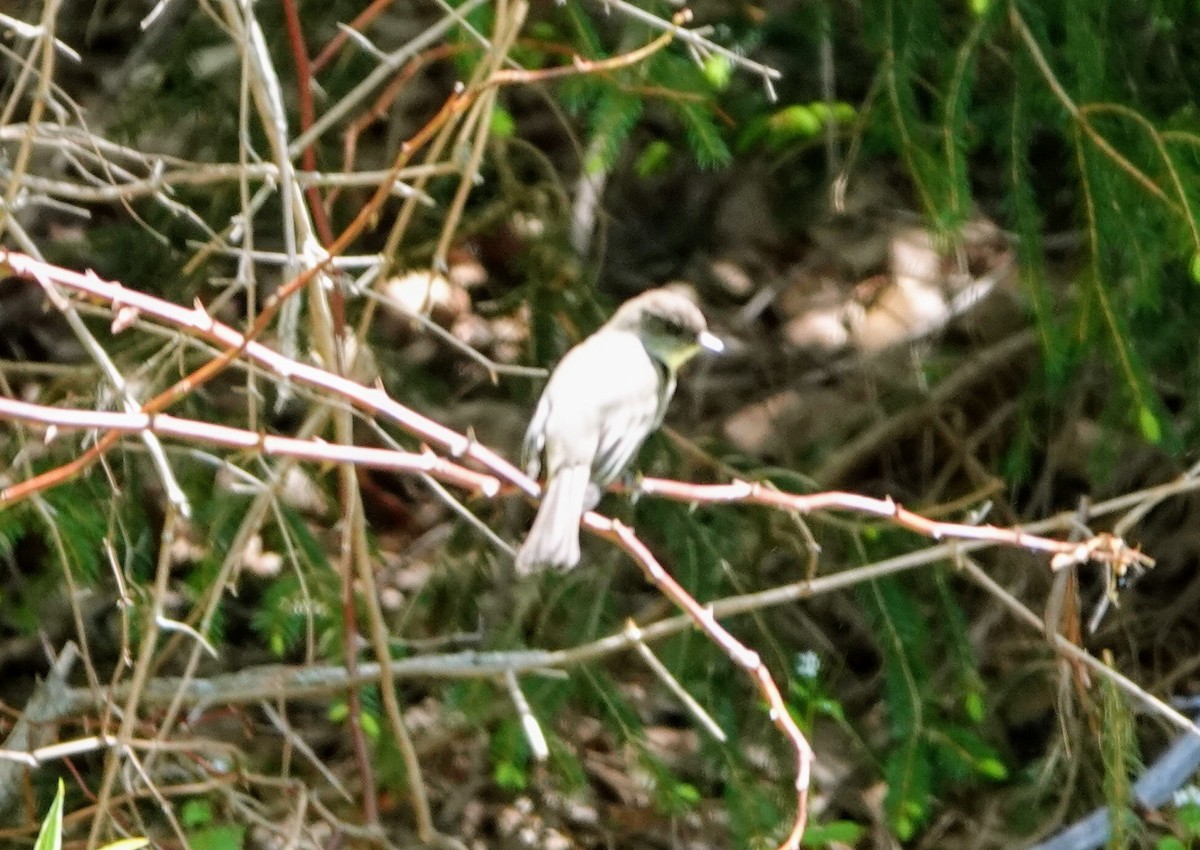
(742, 655)
(358, 24)
(1107, 549)
(165, 425)
(199, 323)
(33, 270)
(308, 157)
(337, 309)
(383, 102)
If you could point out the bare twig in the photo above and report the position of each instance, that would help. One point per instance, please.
(673, 685)
(141, 670)
(529, 723)
(704, 45)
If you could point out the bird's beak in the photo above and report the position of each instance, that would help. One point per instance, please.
(710, 342)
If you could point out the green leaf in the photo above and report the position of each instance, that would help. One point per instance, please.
(795, 121)
(1194, 268)
(196, 812)
(718, 70)
(830, 708)
(653, 159)
(844, 113)
(1119, 752)
(591, 44)
(673, 796)
(80, 523)
(841, 832)
(837, 112)
(973, 706)
(979, 7)
(906, 652)
(961, 753)
(808, 691)
(703, 137)
(1189, 818)
(955, 634)
(509, 776)
(510, 755)
(295, 606)
(226, 837)
(50, 836)
(612, 120)
(12, 527)
(370, 725)
(909, 777)
(503, 124)
(1149, 425)
(753, 133)
(135, 843)
(1169, 842)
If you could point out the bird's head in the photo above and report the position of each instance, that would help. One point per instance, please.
(669, 324)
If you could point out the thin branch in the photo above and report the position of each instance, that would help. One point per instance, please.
(360, 22)
(665, 676)
(425, 463)
(45, 42)
(141, 670)
(1104, 548)
(377, 77)
(538, 747)
(1079, 117)
(767, 73)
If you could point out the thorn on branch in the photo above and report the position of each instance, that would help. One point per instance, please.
(204, 319)
(125, 317)
(772, 95)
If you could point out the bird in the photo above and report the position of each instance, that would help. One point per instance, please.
(604, 398)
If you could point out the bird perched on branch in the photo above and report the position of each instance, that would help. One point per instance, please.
(602, 401)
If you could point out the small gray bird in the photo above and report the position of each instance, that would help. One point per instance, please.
(602, 401)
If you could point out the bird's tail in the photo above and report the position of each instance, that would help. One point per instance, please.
(553, 540)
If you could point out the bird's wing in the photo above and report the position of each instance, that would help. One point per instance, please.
(630, 412)
(627, 425)
(601, 402)
(535, 438)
